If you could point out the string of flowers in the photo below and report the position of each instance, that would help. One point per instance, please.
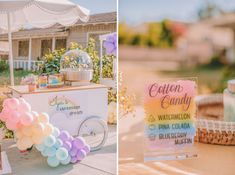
(126, 101)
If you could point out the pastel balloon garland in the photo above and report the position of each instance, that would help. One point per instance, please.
(32, 128)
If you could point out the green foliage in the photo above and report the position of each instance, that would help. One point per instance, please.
(91, 50)
(107, 70)
(161, 34)
(3, 66)
(166, 36)
(228, 74)
(51, 62)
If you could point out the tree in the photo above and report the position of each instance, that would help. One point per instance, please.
(209, 10)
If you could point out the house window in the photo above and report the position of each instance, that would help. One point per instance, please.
(23, 50)
(60, 43)
(95, 36)
(46, 47)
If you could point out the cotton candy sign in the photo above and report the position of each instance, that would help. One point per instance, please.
(169, 119)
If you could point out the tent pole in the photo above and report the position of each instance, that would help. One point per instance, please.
(10, 50)
(101, 59)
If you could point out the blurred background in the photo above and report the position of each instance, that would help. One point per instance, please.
(181, 38)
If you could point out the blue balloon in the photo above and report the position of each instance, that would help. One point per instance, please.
(66, 161)
(40, 147)
(50, 141)
(53, 161)
(61, 154)
(58, 143)
(50, 151)
(44, 153)
(56, 132)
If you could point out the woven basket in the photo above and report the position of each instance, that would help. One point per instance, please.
(211, 128)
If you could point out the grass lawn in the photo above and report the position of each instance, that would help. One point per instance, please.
(5, 77)
(210, 79)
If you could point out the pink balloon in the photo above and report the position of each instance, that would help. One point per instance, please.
(14, 116)
(24, 106)
(26, 119)
(11, 125)
(11, 103)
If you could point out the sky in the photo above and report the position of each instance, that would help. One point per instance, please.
(98, 6)
(139, 11)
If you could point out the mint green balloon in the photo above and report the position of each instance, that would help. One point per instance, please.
(56, 132)
(44, 153)
(53, 161)
(58, 143)
(50, 151)
(62, 154)
(40, 147)
(49, 141)
(66, 161)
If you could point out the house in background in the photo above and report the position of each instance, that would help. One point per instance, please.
(29, 46)
(207, 38)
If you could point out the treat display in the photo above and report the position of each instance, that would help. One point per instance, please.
(229, 102)
(42, 81)
(211, 127)
(55, 80)
(76, 65)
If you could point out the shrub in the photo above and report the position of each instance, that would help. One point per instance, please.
(51, 62)
(3, 66)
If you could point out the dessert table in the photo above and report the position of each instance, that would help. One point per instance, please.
(212, 159)
(101, 162)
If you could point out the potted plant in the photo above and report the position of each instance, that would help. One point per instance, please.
(30, 81)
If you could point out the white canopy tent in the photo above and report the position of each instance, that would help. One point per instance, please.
(16, 14)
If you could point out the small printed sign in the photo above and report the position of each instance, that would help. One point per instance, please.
(63, 104)
(169, 122)
(67, 110)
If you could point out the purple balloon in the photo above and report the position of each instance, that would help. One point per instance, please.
(110, 45)
(81, 154)
(70, 139)
(73, 159)
(73, 152)
(79, 142)
(64, 135)
(67, 145)
(86, 148)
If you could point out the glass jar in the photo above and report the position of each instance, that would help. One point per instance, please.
(229, 102)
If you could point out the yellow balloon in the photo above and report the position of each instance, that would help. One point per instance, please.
(44, 118)
(27, 131)
(24, 143)
(37, 139)
(38, 128)
(18, 133)
(48, 129)
(20, 145)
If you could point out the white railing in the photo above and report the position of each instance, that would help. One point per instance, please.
(23, 64)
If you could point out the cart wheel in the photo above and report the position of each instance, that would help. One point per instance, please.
(95, 131)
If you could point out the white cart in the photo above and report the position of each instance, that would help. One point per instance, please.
(81, 110)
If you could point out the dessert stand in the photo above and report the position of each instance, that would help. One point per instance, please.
(80, 107)
(211, 127)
